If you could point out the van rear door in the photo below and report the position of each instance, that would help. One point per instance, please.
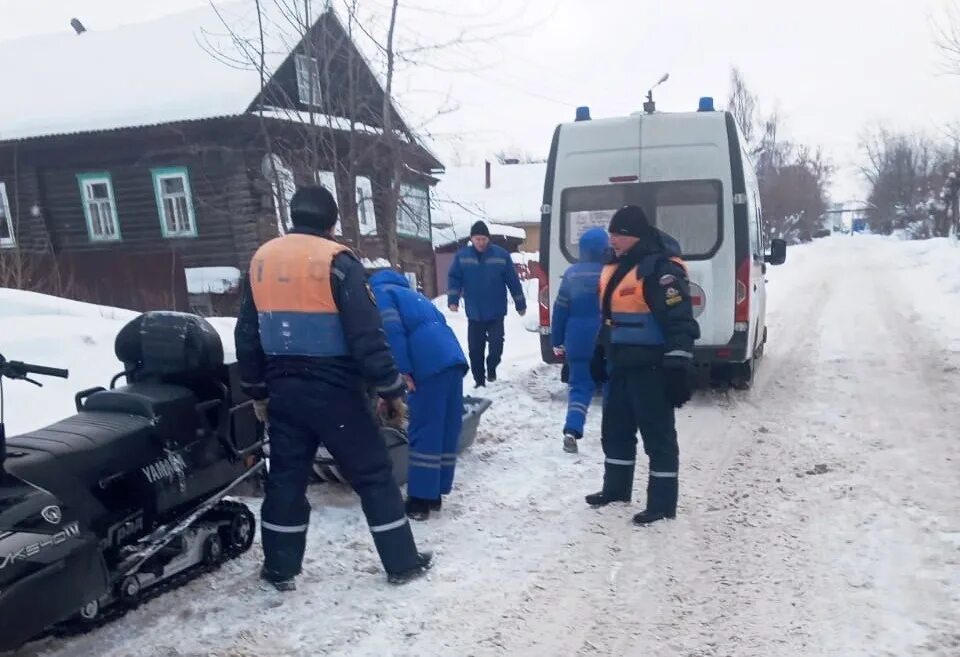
(603, 152)
(685, 162)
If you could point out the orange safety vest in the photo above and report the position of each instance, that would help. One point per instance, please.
(290, 281)
(631, 319)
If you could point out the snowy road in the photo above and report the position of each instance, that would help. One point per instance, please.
(819, 513)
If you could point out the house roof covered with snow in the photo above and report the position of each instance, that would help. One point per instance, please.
(183, 67)
(460, 230)
(514, 197)
(142, 74)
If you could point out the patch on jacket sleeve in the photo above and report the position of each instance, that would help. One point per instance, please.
(667, 279)
(672, 296)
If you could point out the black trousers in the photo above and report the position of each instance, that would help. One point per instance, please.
(303, 414)
(479, 335)
(636, 399)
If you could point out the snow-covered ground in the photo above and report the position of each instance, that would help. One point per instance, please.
(819, 512)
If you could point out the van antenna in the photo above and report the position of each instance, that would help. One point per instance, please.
(650, 107)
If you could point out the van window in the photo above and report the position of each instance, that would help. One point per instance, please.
(690, 211)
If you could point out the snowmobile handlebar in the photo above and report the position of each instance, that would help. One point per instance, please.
(13, 369)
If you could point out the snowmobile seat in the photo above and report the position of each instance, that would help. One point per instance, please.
(69, 457)
(171, 409)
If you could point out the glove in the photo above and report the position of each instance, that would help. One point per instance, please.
(677, 373)
(393, 412)
(598, 365)
(260, 409)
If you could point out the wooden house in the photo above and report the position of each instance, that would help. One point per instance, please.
(142, 166)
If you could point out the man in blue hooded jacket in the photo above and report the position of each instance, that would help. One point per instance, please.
(482, 273)
(575, 324)
(429, 356)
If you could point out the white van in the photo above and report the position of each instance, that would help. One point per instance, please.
(691, 174)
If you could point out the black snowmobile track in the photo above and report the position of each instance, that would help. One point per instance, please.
(79, 626)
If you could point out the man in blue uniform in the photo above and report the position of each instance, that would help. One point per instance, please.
(309, 344)
(432, 362)
(574, 328)
(482, 273)
(646, 349)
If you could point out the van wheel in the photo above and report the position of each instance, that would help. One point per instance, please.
(742, 378)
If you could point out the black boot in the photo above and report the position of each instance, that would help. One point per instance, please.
(418, 508)
(424, 563)
(617, 484)
(646, 517)
(661, 500)
(603, 499)
(437, 504)
(491, 375)
(280, 582)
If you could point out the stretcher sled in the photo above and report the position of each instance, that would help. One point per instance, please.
(398, 445)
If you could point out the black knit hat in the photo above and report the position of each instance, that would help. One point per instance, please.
(314, 206)
(629, 220)
(479, 228)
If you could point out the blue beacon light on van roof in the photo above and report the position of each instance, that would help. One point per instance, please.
(706, 104)
(583, 113)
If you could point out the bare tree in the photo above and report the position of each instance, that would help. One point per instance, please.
(351, 126)
(793, 178)
(910, 182)
(743, 105)
(947, 37)
(392, 202)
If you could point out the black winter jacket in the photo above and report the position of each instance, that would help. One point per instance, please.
(666, 289)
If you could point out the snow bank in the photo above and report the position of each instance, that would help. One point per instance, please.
(931, 271)
(17, 303)
(77, 336)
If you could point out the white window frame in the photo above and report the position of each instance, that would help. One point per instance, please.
(308, 80)
(167, 173)
(329, 180)
(408, 224)
(85, 180)
(275, 169)
(6, 242)
(365, 206)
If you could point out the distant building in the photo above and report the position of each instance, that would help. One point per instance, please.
(506, 196)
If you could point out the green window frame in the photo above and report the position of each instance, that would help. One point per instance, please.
(174, 197)
(99, 206)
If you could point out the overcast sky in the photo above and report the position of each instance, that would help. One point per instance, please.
(833, 67)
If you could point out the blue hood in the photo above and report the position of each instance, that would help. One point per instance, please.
(593, 245)
(389, 277)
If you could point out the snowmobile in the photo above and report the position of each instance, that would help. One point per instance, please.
(125, 499)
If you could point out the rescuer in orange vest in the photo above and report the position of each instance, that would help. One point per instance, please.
(310, 343)
(645, 353)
